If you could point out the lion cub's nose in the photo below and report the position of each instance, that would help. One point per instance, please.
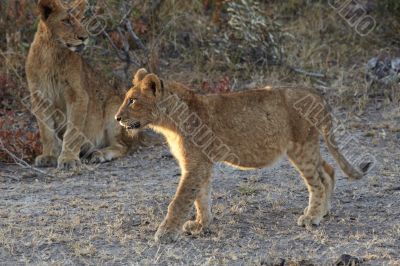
(118, 118)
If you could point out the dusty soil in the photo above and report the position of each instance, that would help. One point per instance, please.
(109, 215)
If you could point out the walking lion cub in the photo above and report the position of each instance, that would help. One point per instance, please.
(249, 129)
(73, 105)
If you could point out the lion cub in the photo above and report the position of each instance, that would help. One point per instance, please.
(73, 105)
(249, 129)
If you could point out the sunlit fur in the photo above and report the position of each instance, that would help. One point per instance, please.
(60, 76)
(258, 126)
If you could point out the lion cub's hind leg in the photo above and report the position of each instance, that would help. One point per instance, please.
(114, 136)
(327, 175)
(307, 159)
(116, 149)
(203, 211)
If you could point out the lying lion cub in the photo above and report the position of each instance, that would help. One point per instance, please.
(250, 129)
(73, 105)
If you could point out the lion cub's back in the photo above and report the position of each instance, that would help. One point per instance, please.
(256, 120)
(250, 110)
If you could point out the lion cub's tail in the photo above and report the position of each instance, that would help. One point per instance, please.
(317, 112)
(347, 168)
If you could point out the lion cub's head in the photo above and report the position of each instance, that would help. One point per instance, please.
(64, 24)
(139, 107)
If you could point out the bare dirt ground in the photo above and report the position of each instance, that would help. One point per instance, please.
(109, 216)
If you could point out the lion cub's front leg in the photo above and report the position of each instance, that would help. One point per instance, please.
(189, 189)
(203, 211)
(44, 112)
(51, 145)
(117, 148)
(77, 103)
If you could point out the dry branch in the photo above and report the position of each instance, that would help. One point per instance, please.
(135, 38)
(113, 45)
(306, 73)
(124, 27)
(21, 162)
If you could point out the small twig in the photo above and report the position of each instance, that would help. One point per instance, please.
(125, 42)
(126, 52)
(155, 5)
(103, 51)
(322, 83)
(126, 47)
(11, 177)
(306, 73)
(135, 38)
(12, 68)
(125, 16)
(117, 51)
(113, 45)
(323, 88)
(21, 162)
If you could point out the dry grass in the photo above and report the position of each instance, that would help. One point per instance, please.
(109, 216)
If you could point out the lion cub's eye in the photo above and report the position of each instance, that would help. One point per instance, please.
(131, 101)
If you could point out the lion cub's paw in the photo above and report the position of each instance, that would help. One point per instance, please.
(45, 161)
(97, 157)
(192, 227)
(165, 236)
(325, 213)
(68, 163)
(308, 221)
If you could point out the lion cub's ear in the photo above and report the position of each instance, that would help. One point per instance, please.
(140, 74)
(152, 84)
(47, 8)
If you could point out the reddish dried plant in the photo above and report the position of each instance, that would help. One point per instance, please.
(222, 86)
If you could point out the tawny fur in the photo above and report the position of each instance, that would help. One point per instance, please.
(257, 127)
(80, 99)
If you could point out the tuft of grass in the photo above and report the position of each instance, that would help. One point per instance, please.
(247, 190)
(370, 134)
(84, 248)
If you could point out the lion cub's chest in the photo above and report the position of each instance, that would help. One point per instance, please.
(53, 88)
(175, 142)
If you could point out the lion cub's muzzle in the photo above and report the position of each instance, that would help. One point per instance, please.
(128, 124)
(80, 46)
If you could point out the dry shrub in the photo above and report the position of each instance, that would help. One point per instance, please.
(17, 23)
(251, 35)
(15, 137)
(222, 86)
(18, 131)
(212, 46)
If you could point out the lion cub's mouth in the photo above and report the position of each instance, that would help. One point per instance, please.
(130, 125)
(77, 47)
